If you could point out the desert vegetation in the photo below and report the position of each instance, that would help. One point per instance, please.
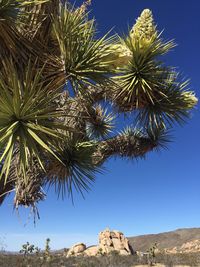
(62, 89)
(112, 260)
(32, 256)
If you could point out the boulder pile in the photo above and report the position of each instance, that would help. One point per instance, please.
(109, 241)
(76, 249)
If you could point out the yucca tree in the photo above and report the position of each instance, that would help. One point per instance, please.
(62, 89)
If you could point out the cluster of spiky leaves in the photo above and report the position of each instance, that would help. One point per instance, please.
(76, 169)
(57, 76)
(82, 55)
(145, 84)
(101, 123)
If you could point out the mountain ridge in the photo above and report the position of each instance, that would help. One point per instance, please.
(165, 240)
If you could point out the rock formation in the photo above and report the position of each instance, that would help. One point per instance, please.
(92, 251)
(187, 247)
(109, 241)
(76, 249)
(114, 241)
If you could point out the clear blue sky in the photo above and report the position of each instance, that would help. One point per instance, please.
(159, 194)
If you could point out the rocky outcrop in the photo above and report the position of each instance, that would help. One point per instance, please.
(109, 241)
(92, 251)
(76, 249)
(114, 241)
(187, 247)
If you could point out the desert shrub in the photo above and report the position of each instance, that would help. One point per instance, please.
(80, 261)
(169, 260)
(191, 259)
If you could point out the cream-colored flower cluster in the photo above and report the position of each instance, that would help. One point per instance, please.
(144, 26)
(190, 100)
(143, 31)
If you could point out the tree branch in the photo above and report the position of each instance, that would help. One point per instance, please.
(130, 146)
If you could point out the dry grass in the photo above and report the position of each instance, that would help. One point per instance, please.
(112, 260)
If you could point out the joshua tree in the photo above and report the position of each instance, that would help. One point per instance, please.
(47, 255)
(62, 89)
(152, 254)
(27, 249)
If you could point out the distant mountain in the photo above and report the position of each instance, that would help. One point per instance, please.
(174, 241)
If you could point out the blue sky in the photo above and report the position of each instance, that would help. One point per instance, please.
(158, 194)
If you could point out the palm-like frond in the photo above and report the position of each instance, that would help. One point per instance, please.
(28, 117)
(82, 54)
(100, 123)
(173, 106)
(77, 170)
(140, 82)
